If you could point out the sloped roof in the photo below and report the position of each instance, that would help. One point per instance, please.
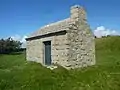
(51, 28)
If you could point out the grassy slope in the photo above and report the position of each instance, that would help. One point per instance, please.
(17, 74)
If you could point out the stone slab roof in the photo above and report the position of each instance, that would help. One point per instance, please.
(52, 28)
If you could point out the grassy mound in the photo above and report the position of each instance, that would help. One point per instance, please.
(17, 74)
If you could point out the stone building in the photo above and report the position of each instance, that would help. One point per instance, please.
(69, 43)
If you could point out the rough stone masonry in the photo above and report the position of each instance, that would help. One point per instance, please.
(71, 42)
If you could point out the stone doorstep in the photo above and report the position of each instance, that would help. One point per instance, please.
(51, 67)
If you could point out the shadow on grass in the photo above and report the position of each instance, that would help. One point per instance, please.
(16, 53)
(13, 53)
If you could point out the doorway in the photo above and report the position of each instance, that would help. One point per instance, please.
(47, 52)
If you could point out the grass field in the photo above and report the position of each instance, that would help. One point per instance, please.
(17, 74)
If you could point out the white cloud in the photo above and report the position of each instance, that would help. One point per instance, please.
(21, 39)
(16, 37)
(102, 31)
(24, 41)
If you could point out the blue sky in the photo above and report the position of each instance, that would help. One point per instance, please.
(22, 17)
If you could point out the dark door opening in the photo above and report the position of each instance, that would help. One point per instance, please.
(47, 52)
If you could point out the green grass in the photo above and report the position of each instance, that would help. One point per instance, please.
(17, 74)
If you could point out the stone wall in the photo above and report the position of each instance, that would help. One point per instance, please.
(60, 50)
(34, 51)
(81, 40)
(59, 45)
